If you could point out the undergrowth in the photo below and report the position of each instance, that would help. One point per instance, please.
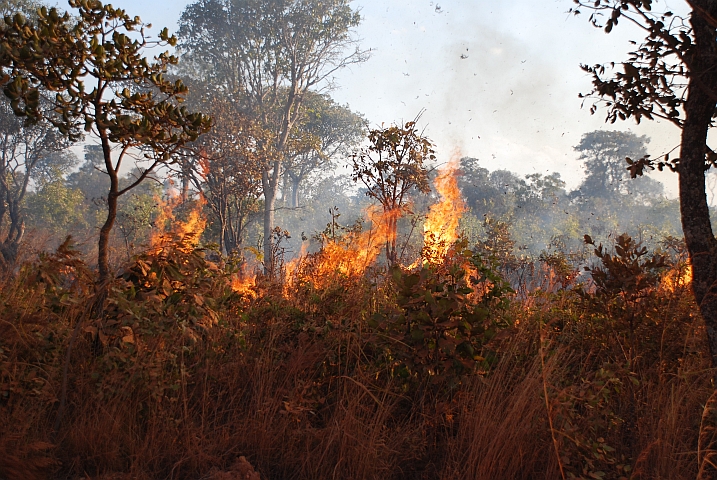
(440, 372)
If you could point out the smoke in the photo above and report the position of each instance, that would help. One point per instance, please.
(499, 80)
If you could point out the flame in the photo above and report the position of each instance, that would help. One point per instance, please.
(440, 230)
(244, 284)
(350, 255)
(677, 278)
(358, 251)
(353, 253)
(294, 265)
(169, 229)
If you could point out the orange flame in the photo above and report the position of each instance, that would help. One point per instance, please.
(244, 284)
(358, 251)
(677, 278)
(349, 256)
(440, 230)
(169, 229)
(294, 265)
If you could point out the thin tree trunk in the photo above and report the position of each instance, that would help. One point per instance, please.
(185, 188)
(222, 236)
(270, 186)
(295, 182)
(103, 261)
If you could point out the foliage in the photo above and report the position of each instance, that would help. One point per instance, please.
(130, 103)
(629, 272)
(654, 76)
(444, 319)
(56, 208)
(498, 245)
(31, 155)
(671, 75)
(285, 376)
(167, 298)
(392, 166)
(228, 171)
(603, 154)
(267, 55)
(134, 218)
(336, 130)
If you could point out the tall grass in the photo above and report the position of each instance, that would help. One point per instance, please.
(294, 384)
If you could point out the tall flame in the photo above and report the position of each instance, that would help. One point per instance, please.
(351, 254)
(677, 278)
(169, 229)
(440, 229)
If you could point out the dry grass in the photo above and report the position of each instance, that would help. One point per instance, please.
(295, 388)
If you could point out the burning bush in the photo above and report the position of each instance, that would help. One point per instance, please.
(443, 318)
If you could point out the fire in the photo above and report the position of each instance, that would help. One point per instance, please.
(677, 278)
(169, 229)
(244, 284)
(294, 265)
(440, 229)
(356, 251)
(350, 255)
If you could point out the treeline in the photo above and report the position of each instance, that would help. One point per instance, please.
(528, 215)
(274, 155)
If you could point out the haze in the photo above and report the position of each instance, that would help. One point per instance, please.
(499, 81)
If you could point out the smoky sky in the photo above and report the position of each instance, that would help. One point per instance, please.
(497, 80)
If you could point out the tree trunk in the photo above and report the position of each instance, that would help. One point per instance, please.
(700, 240)
(185, 188)
(270, 186)
(223, 236)
(11, 245)
(392, 228)
(295, 182)
(103, 261)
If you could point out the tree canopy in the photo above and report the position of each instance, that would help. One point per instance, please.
(103, 84)
(266, 55)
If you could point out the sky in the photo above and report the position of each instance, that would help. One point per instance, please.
(497, 80)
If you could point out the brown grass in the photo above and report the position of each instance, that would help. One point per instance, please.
(296, 388)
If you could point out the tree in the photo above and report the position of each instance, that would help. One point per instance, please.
(335, 130)
(496, 193)
(603, 155)
(104, 85)
(55, 208)
(392, 166)
(229, 171)
(671, 75)
(266, 55)
(92, 180)
(29, 154)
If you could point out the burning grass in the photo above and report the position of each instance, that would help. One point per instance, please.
(349, 370)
